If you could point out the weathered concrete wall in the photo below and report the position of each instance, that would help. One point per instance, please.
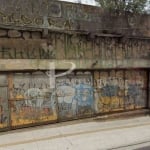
(4, 113)
(34, 64)
(27, 98)
(149, 91)
(118, 89)
(35, 51)
(111, 69)
(57, 15)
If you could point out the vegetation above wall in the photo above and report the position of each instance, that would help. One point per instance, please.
(123, 6)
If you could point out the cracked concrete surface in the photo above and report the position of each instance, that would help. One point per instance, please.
(93, 135)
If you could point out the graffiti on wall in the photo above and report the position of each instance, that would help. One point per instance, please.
(149, 89)
(109, 91)
(77, 12)
(75, 97)
(26, 49)
(114, 48)
(64, 46)
(45, 13)
(135, 89)
(80, 47)
(118, 90)
(28, 12)
(33, 100)
(4, 113)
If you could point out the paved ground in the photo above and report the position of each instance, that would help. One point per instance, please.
(89, 135)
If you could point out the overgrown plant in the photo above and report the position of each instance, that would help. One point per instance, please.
(122, 6)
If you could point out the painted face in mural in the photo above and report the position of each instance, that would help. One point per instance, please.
(32, 93)
(84, 94)
(65, 94)
(34, 97)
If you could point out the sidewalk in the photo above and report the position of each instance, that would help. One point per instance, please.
(93, 135)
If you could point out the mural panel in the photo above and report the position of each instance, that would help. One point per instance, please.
(120, 90)
(4, 112)
(149, 91)
(109, 91)
(64, 46)
(75, 97)
(135, 89)
(33, 100)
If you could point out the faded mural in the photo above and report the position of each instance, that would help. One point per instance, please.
(109, 90)
(149, 91)
(26, 49)
(45, 13)
(33, 101)
(75, 97)
(120, 90)
(4, 112)
(135, 89)
(64, 46)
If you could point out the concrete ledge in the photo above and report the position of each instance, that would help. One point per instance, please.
(37, 64)
(123, 115)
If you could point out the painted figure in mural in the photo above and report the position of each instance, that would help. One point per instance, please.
(40, 98)
(1, 114)
(133, 92)
(66, 102)
(74, 99)
(3, 117)
(84, 98)
(33, 98)
(109, 93)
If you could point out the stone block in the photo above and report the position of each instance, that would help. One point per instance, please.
(14, 33)
(26, 35)
(36, 35)
(3, 32)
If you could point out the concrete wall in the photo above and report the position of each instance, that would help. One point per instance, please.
(57, 15)
(28, 98)
(111, 56)
(149, 92)
(35, 51)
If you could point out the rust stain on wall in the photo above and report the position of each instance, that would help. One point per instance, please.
(75, 96)
(26, 49)
(68, 16)
(4, 110)
(63, 46)
(120, 90)
(33, 100)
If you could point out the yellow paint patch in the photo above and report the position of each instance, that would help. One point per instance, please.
(31, 115)
(3, 125)
(114, 103)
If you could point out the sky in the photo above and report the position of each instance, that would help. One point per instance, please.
(89, 2)
(92, 2)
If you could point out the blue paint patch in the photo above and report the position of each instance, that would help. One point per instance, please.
(110, 90)
(84, 95)
(75, 100)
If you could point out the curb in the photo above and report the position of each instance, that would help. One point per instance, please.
(123, 115)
